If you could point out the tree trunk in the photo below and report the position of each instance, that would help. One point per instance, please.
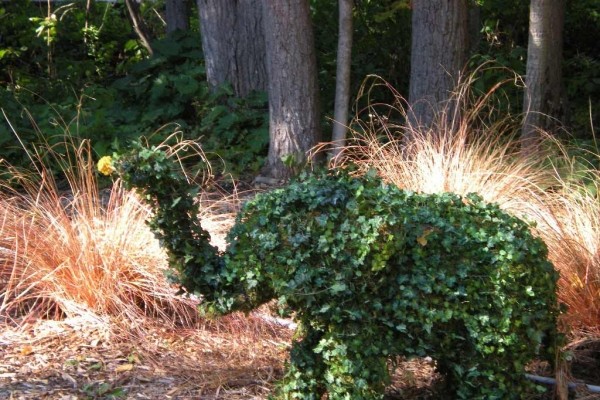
(139, 26)
(440, 38)
(542, 101)
(342, 77)
(177, 15)
(293, 90)
(233, 44)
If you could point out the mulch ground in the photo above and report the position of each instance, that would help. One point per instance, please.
(237, 357)
(82, 359)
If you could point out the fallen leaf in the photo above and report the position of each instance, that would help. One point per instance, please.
(124, 367)
(422, 240)
(133, 358)
(26, 350)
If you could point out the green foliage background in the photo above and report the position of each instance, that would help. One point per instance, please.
(108, 90)
(95, 81)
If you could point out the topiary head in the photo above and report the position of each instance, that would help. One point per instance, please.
(159, 174)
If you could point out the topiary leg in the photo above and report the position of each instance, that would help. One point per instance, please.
(351, 373)
(303, 378)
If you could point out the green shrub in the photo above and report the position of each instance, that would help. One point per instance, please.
(171, 86)
(370, 272)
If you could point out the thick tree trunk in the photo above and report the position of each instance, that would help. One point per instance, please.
(233, 44)
(293, 90)
(342, 77)
(542, 101)
(177, 15)
(440, 38)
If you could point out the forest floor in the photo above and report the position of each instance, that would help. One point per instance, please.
(237, 357)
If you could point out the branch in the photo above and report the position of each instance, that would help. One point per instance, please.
(138, 24)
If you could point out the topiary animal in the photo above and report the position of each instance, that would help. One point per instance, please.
(370, 272)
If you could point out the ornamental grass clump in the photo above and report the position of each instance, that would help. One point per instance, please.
(571, 228)
(370, 271)
(469, 148)
(69, 249)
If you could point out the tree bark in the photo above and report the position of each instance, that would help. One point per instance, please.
(233, 44)
(342, 77)
(177, 15)
(138, 24)
(543, 82)
(439, 49)
(293, 89)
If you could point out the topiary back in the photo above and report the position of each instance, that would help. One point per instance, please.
(373, 271)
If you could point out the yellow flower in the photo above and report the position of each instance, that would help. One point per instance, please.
(105, 166)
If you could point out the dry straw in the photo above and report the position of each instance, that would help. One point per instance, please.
(76, 250)
(571, 229)
(468, 148)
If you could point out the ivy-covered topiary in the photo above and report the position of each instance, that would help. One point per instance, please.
(370, 272)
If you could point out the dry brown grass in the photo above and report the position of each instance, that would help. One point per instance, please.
(463, 152)
(571, 229)
(72, 252)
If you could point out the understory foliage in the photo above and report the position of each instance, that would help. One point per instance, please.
(370, 271)
(164, 93)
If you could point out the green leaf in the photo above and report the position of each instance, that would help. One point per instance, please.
(338, 287)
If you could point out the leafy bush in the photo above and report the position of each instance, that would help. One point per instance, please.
(171, 87)
(56, 61)
(48, 48)
(371, 271)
